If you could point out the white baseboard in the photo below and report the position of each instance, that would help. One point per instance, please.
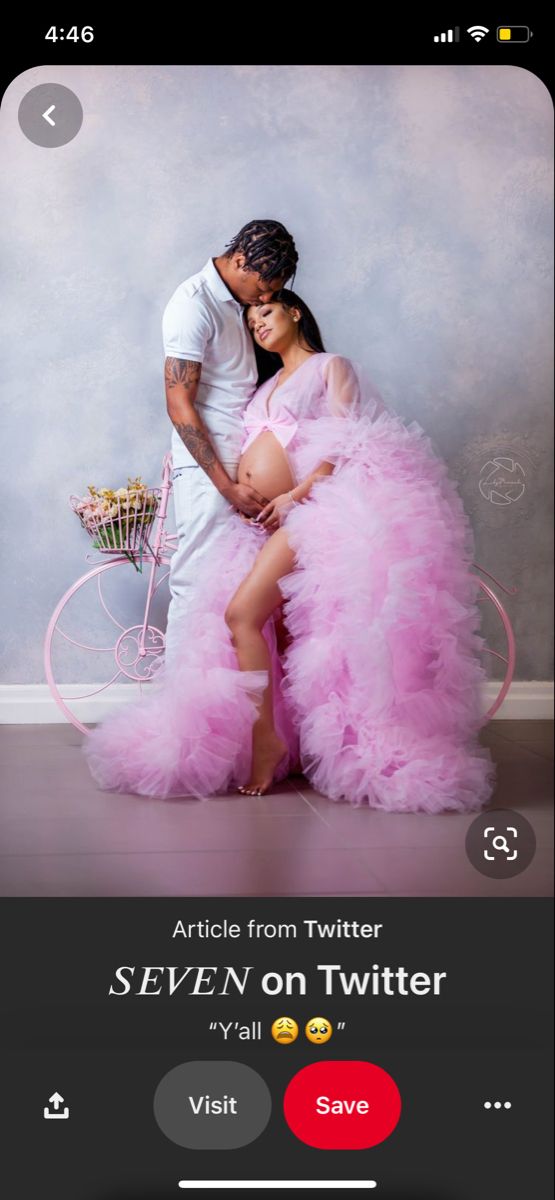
(33, 703)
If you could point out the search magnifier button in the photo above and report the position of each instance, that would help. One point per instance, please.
(500, 843)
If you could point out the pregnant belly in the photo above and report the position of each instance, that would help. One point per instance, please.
(265, 467)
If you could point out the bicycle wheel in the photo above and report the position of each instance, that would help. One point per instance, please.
(92, 641)
(498, 629)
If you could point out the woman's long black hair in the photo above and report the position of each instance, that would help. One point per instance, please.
(267, 362)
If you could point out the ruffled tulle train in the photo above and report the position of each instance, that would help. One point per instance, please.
(379, 688)
(191, 734)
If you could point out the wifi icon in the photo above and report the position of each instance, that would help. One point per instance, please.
(477, 32)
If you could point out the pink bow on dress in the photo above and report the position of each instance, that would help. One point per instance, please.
(282, 427)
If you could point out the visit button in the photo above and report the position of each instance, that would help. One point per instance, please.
(342, 1105)
(212, 1105)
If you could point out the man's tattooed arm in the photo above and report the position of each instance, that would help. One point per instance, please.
(198, 445)
(182, 378)
(182, 373)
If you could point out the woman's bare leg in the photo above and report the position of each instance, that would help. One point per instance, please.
(254, 601)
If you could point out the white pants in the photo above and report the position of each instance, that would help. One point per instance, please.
(200, 512)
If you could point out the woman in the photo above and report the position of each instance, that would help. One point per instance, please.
(365, 550)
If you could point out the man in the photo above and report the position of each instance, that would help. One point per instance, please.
(210, 375)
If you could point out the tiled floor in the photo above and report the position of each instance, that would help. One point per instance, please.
(60, 836)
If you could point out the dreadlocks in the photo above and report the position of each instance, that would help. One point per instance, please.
(268, 249)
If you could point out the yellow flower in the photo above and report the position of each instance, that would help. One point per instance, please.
(126, 500)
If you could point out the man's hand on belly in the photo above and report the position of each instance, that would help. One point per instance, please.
(244, 498)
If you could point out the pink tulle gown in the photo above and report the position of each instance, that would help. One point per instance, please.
(377, 694)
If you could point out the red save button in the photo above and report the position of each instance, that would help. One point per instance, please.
(342, 1105)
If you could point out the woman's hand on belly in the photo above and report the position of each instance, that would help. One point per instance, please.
(272, 516)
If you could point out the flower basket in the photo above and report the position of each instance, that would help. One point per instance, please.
(119, 522)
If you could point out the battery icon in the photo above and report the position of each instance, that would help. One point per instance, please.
(513, 33)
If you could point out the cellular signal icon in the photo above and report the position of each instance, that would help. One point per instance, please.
(452, 35)
(477, 32)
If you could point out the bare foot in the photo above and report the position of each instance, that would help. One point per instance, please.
(267, 752)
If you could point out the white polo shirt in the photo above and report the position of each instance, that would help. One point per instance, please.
(203, 322)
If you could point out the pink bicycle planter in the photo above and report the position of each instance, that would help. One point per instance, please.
(132, 651)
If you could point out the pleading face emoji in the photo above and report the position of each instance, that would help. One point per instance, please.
(318, 1030)
(285, 1030)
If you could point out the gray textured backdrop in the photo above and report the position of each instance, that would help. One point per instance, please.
(420, 199)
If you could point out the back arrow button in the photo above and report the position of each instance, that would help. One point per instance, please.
(50, 114)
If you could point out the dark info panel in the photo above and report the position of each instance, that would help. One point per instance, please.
(144, 1051)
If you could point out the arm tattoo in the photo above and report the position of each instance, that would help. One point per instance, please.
(182, 372)
(198, 445)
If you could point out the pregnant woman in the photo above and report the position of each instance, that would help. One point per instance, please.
(338, 630)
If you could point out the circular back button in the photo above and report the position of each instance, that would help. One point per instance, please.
(342, 1105)
(50, 115)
